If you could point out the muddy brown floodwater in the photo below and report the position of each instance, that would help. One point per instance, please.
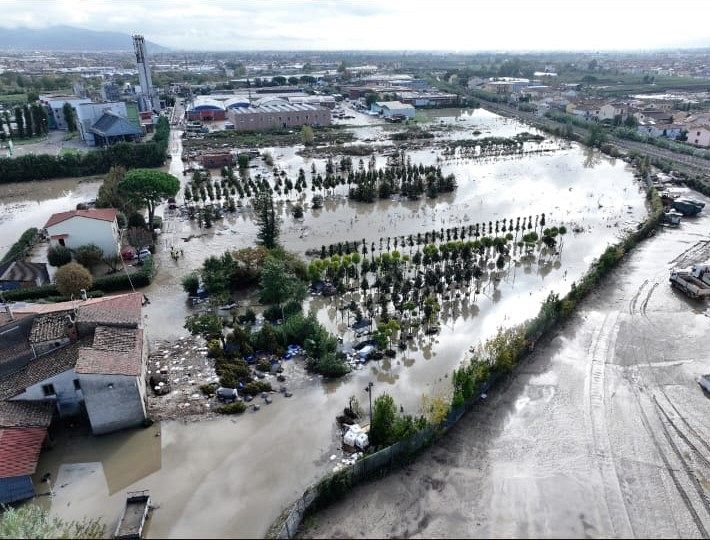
(603, 432)
(230, 477)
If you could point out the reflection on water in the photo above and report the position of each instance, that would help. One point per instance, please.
(233, 476)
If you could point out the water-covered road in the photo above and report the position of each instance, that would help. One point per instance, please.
(602, 433)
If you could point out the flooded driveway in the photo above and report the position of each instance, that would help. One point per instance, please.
(231, 477)
(602, 433)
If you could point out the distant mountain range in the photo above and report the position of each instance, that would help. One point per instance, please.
(68, 38)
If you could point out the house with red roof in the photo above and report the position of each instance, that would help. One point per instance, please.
(77, 228)
(83, 357)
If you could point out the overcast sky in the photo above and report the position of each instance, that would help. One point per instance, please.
(459, 25)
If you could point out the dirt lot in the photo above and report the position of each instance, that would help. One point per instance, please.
(602, 433)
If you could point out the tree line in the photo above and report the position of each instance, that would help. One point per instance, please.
(30, 121)
(129, 155)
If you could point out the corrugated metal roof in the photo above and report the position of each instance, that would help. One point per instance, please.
(112, 125)
(278, 107)
(16, 489)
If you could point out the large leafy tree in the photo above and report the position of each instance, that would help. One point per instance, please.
(384, 416)
(72, 278)
(149, 187)
(279, 285)
(206, 325)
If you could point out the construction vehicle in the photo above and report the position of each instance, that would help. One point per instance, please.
(687, 207)
(693, 281)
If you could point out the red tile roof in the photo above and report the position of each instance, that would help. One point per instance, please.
(19, 450)
(121, 309)
(115, 351)
(104, 214)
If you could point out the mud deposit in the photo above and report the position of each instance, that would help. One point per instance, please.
(602, 433)
(230, 477)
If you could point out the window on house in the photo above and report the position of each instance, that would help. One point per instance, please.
(77, 384)
(48, 389)
(61, 241)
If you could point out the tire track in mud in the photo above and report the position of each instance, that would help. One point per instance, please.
(685, 438)
(699, 250)
(603, 342)
(652, 389)
(668, 466)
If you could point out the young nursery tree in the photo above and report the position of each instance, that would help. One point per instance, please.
(266, 219)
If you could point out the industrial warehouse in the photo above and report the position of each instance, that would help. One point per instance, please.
(278, 115)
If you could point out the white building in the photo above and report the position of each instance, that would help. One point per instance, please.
(88, 113)
(670, 131)
(699, 135)
(82, 355)
(393, 109)
(80, 227)
(55, 104)
(609, 111)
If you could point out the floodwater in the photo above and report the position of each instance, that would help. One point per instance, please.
(29, 204)
(601, 433)
(233, 476)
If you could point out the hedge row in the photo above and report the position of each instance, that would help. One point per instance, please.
(43, 166)
(19, 248)
(112, 283)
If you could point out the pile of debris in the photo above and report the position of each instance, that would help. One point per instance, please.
(176, 371)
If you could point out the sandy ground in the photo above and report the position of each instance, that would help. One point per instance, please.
(602, 433)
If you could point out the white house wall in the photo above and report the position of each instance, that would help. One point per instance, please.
(113, 402)
(82, 230)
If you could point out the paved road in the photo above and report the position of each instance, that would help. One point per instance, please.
(695, 164)
(603, 432)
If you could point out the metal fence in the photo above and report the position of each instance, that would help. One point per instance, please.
(286, 526)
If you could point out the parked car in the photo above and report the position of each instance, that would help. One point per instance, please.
(144, 254)
(128, 254)
(227, 395)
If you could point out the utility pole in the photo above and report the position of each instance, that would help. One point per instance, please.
(369, 391)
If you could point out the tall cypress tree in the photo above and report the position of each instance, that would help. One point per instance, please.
(37, 119)
(28, 121)
(19, 122)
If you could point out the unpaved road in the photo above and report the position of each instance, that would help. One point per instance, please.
(603, 432)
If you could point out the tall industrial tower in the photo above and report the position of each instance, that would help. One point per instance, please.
(148, 98)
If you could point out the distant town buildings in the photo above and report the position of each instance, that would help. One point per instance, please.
(393, 109)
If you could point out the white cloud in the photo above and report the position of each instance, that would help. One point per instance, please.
(393, 24)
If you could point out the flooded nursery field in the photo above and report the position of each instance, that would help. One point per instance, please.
(503, 222)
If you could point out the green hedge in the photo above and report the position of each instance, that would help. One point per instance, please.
(112, 283)
(129, 155)
(19, 248)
